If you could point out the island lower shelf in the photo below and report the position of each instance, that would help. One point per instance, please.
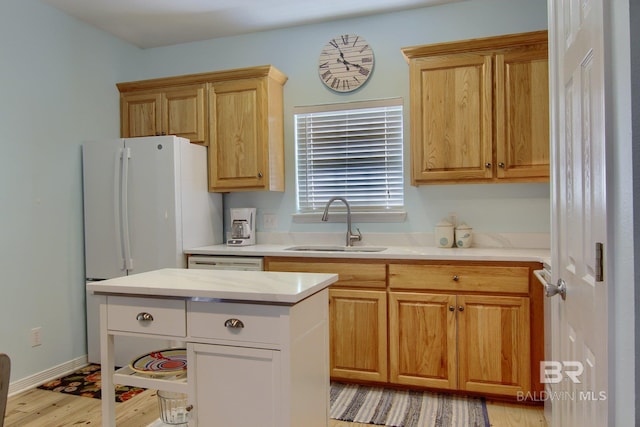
(127, 376)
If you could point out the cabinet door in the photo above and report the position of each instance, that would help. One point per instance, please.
(141, 114)
(422, 339)
(183, 113)
(451, 117)
(522, 113)
(358, 334)
(223, 379)
(237, 121)
(493, 344)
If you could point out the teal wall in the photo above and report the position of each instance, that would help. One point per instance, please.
(295, 51)
(57, 81)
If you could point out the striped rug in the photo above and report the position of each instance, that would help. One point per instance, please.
(400, 408)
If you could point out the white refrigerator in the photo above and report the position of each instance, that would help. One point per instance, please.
(145, 201)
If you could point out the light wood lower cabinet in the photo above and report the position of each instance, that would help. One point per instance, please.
(460, 342)
(422, 340)
(472, 323)
(357, 314)
(358, 331)
(493, 344)
(469, 326)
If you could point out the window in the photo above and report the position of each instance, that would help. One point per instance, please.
(353, 150)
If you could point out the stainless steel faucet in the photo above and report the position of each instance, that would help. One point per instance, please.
(350, 236)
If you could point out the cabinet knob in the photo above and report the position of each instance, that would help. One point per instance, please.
(456, 278)
(259, 174)
(501, 165)
(452, 308)
(189, 408)
(461, 308)
(487, 165)
(234, 323)
(144, 317)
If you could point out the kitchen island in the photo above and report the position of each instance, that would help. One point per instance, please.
(257, 342)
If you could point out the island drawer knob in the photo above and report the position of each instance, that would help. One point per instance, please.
(144, 317)
(234, 323)
(456, 278)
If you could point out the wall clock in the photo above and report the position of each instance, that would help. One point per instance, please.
(346, 62)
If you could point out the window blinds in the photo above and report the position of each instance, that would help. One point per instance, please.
(353, 150)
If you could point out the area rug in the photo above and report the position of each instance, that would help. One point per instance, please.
(402, 408)
(87, 382)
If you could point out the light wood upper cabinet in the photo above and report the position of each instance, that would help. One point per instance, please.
(140, 114)
(247, 135)
(479, 110)
(176, 111)
(238, 113)
(522, 112)
(451, 122)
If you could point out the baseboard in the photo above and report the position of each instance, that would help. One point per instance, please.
(47, 375)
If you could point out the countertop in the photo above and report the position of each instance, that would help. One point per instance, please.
(392, 252)
(243, 286)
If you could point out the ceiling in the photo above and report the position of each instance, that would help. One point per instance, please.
(154, 23)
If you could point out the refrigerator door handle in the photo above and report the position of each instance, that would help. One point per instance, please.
(124, 198)
(117, 197)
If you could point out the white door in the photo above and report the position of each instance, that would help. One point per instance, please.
(579, 322)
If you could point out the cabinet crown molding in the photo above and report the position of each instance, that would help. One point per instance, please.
(487, 43)
(209, 77)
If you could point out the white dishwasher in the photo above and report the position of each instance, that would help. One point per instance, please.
(207, 262)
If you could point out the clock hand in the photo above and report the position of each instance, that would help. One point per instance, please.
(346, 63)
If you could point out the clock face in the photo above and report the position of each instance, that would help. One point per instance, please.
(346, 62)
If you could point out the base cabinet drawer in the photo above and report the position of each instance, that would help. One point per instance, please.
(153, 316)
(460, 278)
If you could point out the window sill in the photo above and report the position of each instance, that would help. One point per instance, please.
(395, 216)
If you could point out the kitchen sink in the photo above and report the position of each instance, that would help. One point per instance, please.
(326, 248)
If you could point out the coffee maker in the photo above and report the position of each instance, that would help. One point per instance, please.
(243, 227)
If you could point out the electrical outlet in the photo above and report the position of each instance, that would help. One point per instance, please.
(270, 221)
(36, 336)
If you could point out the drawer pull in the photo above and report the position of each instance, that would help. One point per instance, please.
(144, 317)
(234, 323)
(456, 278)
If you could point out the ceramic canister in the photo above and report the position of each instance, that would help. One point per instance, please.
(444, 234)
(464, 236)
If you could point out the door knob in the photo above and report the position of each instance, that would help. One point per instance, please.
(559, 288)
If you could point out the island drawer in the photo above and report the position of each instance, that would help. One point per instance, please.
(236, 322)
(467, 278)
(153, 316)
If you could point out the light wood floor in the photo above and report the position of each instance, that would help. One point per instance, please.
(43, 408)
